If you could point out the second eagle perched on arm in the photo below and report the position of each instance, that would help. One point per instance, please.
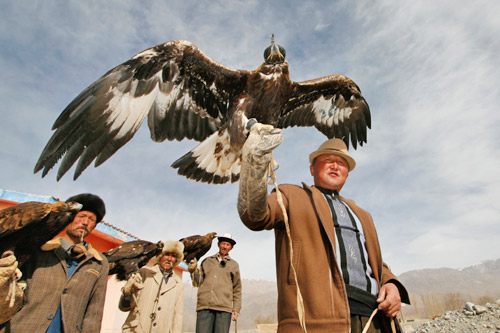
(185, 94)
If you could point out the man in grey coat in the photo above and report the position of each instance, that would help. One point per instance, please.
(219, 293)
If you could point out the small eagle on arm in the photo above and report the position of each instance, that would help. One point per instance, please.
(129, 257)
(185, 94)
(197, 246)
(25, 227)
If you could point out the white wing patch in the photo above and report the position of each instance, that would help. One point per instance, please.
(128, 112)
(328, 113)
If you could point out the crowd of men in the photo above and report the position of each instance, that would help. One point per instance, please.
(63, 286)
(336, 263)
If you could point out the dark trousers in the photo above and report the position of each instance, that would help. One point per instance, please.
(359, 322)
(211, 321)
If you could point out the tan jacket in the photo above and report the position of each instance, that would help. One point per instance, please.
(220, 287)
(81, 296)
(319, 277)
(168, 310)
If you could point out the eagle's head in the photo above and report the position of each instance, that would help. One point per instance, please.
(274, 54)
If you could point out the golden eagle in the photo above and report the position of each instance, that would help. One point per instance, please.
(25, 227)
(185, 94)
(130, 256)
(196, 246)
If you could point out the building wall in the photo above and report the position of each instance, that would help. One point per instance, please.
(103, 238)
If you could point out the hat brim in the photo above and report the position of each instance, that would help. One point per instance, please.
(350, 161)
(229, 240)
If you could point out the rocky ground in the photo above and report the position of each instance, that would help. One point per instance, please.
(472, 318)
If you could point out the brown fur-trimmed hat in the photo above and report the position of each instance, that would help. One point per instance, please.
(91, 203)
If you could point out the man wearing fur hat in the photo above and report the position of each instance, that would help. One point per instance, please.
(336, 262)
(66, 279)
(154, 295)
(219, 293)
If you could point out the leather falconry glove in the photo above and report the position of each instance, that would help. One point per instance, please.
(11, 291)
(193, 264)
(194, 271)
(256, 157)
(133, 283)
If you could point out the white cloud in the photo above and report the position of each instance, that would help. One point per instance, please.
(428, 70)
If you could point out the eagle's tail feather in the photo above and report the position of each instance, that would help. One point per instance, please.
(213, 161)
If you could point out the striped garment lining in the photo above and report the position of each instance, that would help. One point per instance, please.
(350, 246)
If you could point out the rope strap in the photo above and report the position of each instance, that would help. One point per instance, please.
(12, 291)
(300, 301)
(367, 326)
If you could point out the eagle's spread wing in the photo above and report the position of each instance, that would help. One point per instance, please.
(19, 216)
(130, 256)
(132, 249)
(333, 104)
(184, 93)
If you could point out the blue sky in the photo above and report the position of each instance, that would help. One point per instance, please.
(428, 69)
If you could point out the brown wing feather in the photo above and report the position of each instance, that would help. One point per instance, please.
(27, 226)
(196, 246)
(129, 257)
(333, 104)
(19, 216)
(184, 93)
(130, 249)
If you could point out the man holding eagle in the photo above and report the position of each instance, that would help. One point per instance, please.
(185, 94)
(329, 267)
(66, 278)
(154, 296)
(219, 289)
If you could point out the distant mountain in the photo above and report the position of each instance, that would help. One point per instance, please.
(479, 280)
(485, 267)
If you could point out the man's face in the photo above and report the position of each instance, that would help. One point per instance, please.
(168, 260)
(224, 248)
(82, 225)
(330, 171)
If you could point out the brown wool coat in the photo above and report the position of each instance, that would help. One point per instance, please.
(81, 296)
(319, 277)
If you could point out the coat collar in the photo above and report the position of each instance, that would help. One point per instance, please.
(158, 277)
(216, 256)
(56, 243)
